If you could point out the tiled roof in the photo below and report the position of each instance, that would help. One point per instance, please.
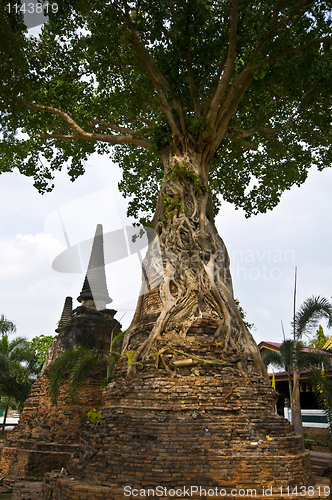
(274, 346)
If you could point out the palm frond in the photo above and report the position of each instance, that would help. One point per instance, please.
(309, 314)
(113, 357)
(6, 326)
(59, 371)
(85, 364)
(4, 343)
(77, 364)
(116, 339)
(273, 358)
(322, 386)
(17, 349)
(287, 350)
(4, 365)
(316, 359)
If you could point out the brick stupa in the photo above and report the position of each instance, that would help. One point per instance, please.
(180, 422)
(47, 436)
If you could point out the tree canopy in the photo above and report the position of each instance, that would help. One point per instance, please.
(319, 340)
(245, 85)
(39, 346)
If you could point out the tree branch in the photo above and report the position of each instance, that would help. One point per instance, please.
(291, 119)
(241, 134)
(221, 117)
(269, 131)
(181, 115)
(237, 95)
(79, 133)
(113, 126)
(54, 111)
(283, 21)
(157, 78)
(110, 139)
(276, 95)
(277, 9)
(245, 144)
(191, 80)
(147, 122)
(298, 48)
(231, 56)
(236, 98)
(320, 108)
(221, 66)
(235, 85)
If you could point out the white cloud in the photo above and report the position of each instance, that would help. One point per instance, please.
(31, 294)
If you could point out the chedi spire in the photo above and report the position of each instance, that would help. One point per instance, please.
(94, 292)
(66, 313)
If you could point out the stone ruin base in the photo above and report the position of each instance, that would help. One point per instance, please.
(67, 489)
(212, 430)
(47, 436)
(27, 490)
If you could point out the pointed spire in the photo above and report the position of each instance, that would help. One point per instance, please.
(94, 291)
(66, 313)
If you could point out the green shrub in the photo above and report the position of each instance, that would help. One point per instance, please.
(308, 443)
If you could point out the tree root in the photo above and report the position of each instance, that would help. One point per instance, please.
(195, 263)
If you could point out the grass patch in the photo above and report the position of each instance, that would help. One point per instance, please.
(5, 495)
(3, 436)
(317, 438)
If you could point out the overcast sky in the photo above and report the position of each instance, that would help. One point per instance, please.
(264, 249)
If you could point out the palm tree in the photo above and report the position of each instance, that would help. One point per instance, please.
(305, 321)
(76, 365)
(6, 326)
(15, 369)
(312, 361)
(323, 387)
(284, 359)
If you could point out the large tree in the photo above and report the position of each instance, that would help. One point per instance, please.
(200, 98)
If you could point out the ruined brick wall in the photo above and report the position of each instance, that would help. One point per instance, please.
(47, 436)
(89, 328)
(207, 430)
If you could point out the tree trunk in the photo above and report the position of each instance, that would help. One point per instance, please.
(296, 402)
(289, 385)
(187, 296)
(5, 417)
